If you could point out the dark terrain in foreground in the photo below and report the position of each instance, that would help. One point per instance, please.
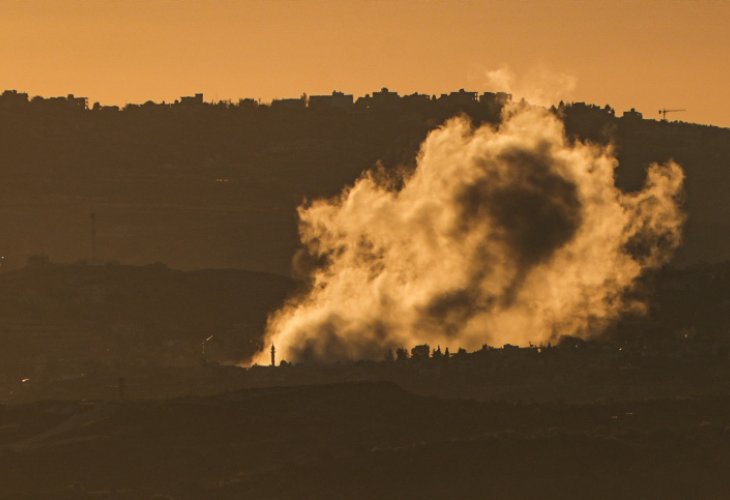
(105, 393)
(364, 440)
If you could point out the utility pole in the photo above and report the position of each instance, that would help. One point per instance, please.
(93, 237)
(273, 355)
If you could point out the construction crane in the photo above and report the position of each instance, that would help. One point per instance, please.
(664, 112)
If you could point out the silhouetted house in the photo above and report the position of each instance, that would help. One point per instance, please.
(632, 114)
(338, 100)
(191, 100)
(421, 352)
(493, 102)
(152, 105)
(380, 100)
(589, 110)
(13, 99)
(105, 109)
(248, 103)
(495, 98)
(590, 119)
(77, 102)
(57, 102)
(416, 101)
(61, 103)
(385, 96)
(289, 104)
(459, 99)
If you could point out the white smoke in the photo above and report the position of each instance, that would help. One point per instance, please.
(539, 85)
(500, 235)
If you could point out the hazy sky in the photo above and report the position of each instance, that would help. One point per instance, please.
(644, 54)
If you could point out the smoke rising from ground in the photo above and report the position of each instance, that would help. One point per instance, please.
(500, 235)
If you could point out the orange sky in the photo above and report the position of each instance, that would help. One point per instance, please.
(647, 54)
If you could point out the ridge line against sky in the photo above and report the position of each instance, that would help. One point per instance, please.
(645, 54)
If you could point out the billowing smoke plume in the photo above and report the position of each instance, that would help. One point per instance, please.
(501, 235)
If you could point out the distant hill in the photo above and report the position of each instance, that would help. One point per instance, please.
(199, 185)
(64, 320)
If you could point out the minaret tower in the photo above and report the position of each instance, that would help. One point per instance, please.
(273, 355)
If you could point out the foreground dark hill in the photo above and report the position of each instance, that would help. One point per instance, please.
(68, 320)
(363, 441)
(213, 186)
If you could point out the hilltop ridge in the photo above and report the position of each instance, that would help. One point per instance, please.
(204, 185)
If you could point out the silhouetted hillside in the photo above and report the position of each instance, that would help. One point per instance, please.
(685, 305)
(67, 320)
(199, 185)
(71, 331)
(703, 152)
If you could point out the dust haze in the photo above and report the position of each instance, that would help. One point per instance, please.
(510, 234)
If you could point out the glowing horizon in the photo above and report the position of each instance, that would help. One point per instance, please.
(646, 55)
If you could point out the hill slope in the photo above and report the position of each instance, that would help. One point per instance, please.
(66, 319)
(218, 186)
